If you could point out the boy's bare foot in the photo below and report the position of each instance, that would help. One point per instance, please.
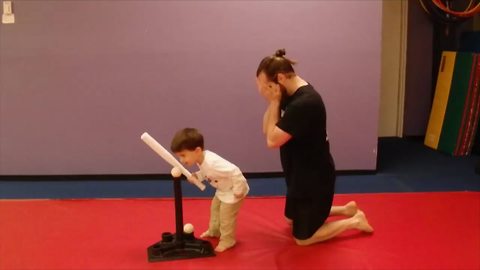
(222, 247)
(351, 208)
(362, 222)
(207, 234)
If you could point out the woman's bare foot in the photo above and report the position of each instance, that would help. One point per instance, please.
(351, 208)
(362, 222)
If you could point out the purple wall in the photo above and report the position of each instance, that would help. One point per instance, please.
(81, 80)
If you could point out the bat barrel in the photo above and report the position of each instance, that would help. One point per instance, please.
(169, 158)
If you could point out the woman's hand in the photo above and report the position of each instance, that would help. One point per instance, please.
(273, 92)
(270, 90)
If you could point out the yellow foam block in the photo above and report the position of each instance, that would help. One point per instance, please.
(440, 100)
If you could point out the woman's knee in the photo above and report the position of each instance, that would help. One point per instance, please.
(301, 242)
(289, 221)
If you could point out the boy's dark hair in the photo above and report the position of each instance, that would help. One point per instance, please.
(186, 139)
(274, 64)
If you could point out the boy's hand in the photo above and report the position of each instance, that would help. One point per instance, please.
(192, 179)
(238, 195)
(196, 180)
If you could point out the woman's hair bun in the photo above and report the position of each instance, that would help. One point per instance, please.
(280, 53)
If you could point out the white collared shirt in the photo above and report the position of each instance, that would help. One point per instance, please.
(224, 176)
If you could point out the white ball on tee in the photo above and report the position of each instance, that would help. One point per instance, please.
(176, 172)
(188, 228)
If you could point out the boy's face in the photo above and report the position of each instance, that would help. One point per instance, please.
(190, 157)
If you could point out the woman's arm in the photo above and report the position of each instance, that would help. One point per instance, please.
(275, 136)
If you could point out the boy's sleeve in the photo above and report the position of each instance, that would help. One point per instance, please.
(223, 169)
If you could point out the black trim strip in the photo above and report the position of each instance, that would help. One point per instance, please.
(121, 177)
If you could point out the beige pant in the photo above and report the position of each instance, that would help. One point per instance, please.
(223, 221)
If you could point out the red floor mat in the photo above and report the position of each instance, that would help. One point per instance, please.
(412, 231)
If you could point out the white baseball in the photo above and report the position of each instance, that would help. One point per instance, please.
(188, 228)
(176, 172)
